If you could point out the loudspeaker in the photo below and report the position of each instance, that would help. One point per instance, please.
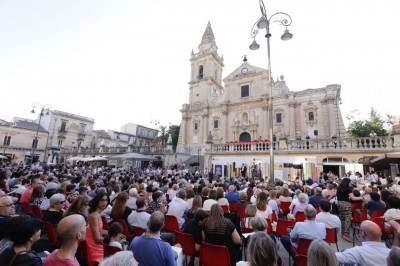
(298, 166)
(315, 132)
(287, 165)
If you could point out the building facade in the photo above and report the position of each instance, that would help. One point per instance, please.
(235, 108)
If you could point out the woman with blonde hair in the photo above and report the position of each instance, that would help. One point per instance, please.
(79, 206)
(321, 254)
(285, 197)
(196, 205)
(251, 211)
(263, 209)
(219, 230)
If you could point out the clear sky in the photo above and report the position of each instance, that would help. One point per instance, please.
(128, 61)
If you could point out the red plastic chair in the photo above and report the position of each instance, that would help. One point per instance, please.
(377, 213)
(355, 206)
(285, 207)
(233, 206)
(110, 250)
(269, 229)
(241, 211)
(106, 226)
(301, 251)
(37, 211)
(245, 224)
(51, 233)
(214, 255)
(225, 208)
(331, 237)
(26, 207)
(300, 217)
(187, 243)
(171, 224)
(138, 230)
(356, 222)
(125, 229)
(282, 227)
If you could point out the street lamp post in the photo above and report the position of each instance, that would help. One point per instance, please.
(44, 110)
(264, 23)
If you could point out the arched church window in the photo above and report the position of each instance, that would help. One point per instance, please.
(201, 69)
(310, 116)
(216, 123)
(196, 126)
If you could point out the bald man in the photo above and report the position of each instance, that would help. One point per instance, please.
(372, 252)
(71, 231)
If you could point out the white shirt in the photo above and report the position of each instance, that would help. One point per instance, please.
(178, 207)
(308, 230)
(370, 253)
(329, 220)
(208, 203)
(131, 203)
(223, 201)
(139, 219)
(392, 214)
(266, 213)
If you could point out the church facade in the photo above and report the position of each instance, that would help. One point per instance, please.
(235, 108)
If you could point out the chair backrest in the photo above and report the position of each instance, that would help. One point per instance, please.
(125, 229)
(285, 206)
(377, 213)
(233, 206)
(380, 221)
(282, 227)
(171, 224)
(241, 211)
(51, 233)
(138, 230)
(187, 243)
(245, 225)
(331, 235)
(37, 211)
(355, 206)
(357, 219)
(26, 207)
(106, 226)
(110, 250)
(214, 255)
(269, 229)
(300, 217)
(303, 246)
(274, 217)
(225, 208)
(301, 260)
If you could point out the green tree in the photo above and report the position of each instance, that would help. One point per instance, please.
(362, 128)
(162, 136)
(174, 131)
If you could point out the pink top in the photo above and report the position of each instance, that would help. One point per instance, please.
(54, 260)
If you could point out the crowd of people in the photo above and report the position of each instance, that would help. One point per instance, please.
(87, 205)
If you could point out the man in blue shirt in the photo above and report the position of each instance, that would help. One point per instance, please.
(232, 196)
(316, 198)
(149, 249)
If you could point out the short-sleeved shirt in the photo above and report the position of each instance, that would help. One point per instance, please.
(195, 230)
(149, 251)
(154, 206)
(54, 260)
(342, 194)
(221, 235)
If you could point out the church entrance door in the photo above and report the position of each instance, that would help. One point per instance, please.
(244, 136)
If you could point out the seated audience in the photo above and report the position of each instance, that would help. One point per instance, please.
(394, 257)
(131, 203)
(119, 209)
(263, 209)
(316, 198)
(212, 199)
(158, 203)
(372, 252)
(232, 195)
(221, 200)
(243, 200)
(178, 207)
(195, 228)
(120, 258)
(261, 250)
(55, 212)
(37, 196)
(115, 237)
(375, 204)
(79, 206)
(196, 205)
(328, 219)
(71, 231)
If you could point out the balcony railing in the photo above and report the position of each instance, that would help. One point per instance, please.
(310, 144)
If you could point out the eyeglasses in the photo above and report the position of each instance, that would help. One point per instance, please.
(62, 202)
(9, 205)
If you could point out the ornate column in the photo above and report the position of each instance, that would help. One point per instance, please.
(226, 122)
(292, 123)
(205, 127)
(184, 128)
(331, 116)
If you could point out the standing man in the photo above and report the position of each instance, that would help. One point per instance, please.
(243, 170)
(71, 231)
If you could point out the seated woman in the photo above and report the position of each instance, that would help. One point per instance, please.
(320, 253)
(115, 237)
(263, 209)
(221, 200)
(24, 235)
(55, 212)
(251, 211)
(196, 205)
(212, 199)
(285, 197)
(79, 206)
(243, 200)
(37, 196)
(261, 250)
(273, 202)
(158, 203)
(219, 230)
(119, 209)
(393, 213)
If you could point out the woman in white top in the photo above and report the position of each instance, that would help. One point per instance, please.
(263, 209)
(393, 213)
(253, 198)
(212, 196)
(221, 200)
(285, 197)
